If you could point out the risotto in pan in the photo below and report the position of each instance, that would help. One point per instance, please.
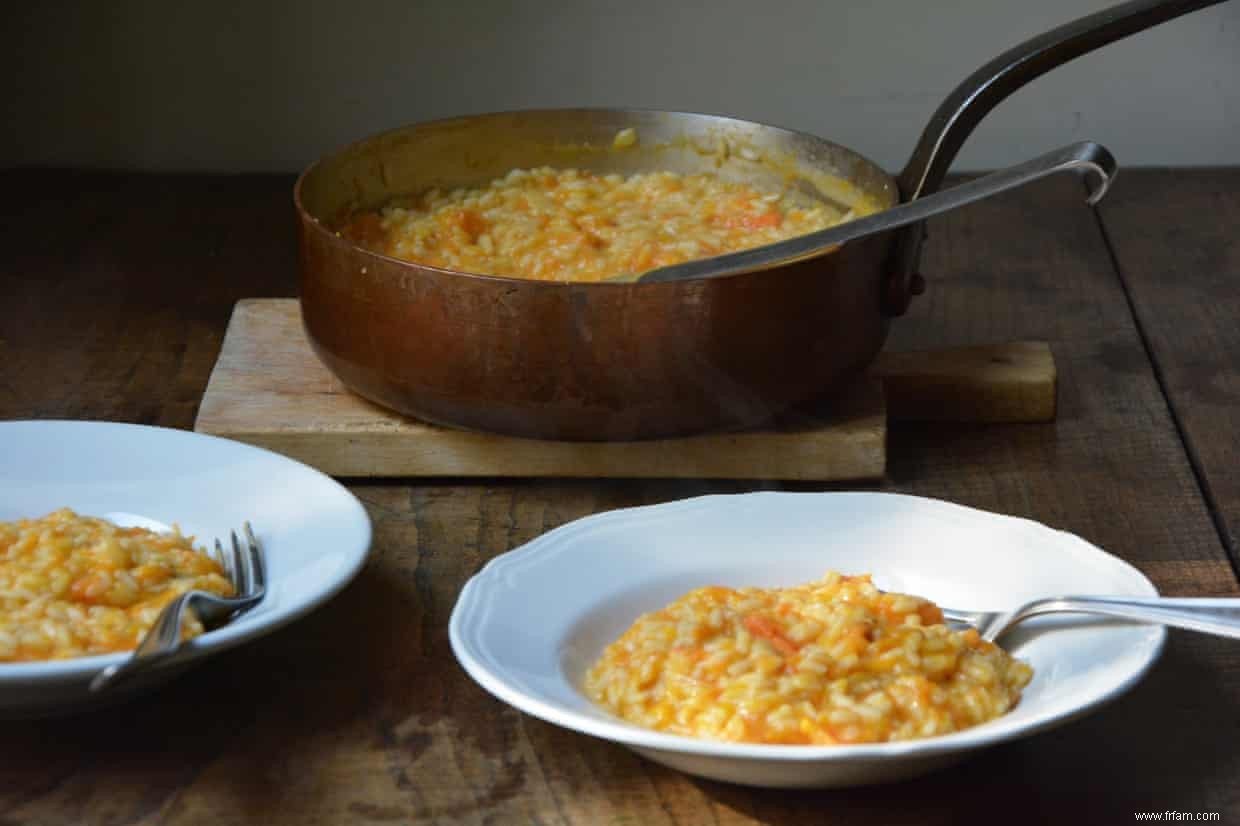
(573, 225)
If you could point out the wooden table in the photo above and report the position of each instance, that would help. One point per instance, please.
(114, 294)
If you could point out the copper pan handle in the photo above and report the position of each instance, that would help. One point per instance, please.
(964, 108)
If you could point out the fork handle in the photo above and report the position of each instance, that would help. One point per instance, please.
(159, 643)
(1211, 615)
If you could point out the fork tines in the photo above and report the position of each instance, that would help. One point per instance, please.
(243, 567)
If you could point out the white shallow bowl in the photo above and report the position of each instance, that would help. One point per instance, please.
(531, 623)
(315, 534)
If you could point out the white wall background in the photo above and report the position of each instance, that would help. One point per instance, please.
(270, 85)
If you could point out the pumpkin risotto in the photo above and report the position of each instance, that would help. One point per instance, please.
(834, 661)
(72, 586)
(572, 225)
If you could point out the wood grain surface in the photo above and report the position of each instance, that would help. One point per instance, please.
(1183, 279)
(1004, 382)
(117, 289)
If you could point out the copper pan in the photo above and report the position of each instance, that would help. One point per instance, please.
(618, 361)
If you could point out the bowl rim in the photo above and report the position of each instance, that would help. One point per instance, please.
(633, 736)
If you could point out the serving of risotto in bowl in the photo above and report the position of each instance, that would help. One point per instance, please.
(103, 523)
(795, 639)
(76, 586)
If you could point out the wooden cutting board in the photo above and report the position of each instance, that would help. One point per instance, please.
(269, 389)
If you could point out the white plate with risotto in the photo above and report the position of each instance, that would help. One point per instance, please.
(74, 589)
(746, 661)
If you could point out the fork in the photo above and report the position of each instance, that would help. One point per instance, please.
(1210, 615)
(244, 568)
